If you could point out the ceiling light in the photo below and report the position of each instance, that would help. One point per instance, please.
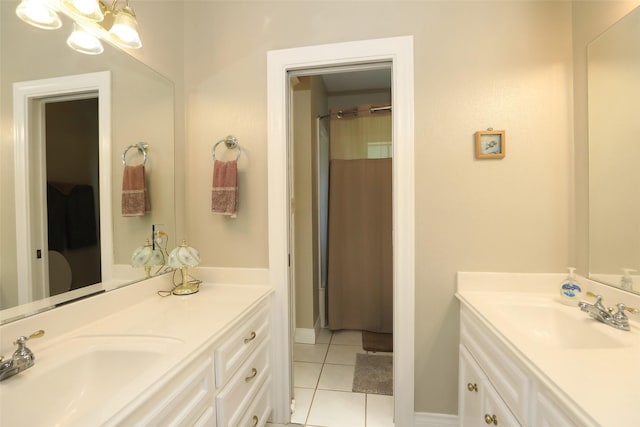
(124, 31)
(39, 14)
(83, 9)
(83, 41)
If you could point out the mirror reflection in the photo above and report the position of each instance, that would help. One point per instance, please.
(81, 239)
(614, 154)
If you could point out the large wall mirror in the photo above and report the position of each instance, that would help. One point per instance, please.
(614, 154)
(68, 177)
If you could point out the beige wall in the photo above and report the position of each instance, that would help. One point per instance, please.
(590, 19)
(478, 64)
(304, 253)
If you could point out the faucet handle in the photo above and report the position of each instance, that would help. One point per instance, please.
(598, 304)
(23, 339)
(622, 308)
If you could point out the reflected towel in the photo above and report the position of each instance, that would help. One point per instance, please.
(81, 218)
(224, 195)
(135, 199)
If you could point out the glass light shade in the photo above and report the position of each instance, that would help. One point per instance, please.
(124, 30)
(184, 256)
(39, 14)
(84, 42)
(142, 255)
(83, 9)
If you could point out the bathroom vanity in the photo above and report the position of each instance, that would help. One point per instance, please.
(528, 360)
(130, 357)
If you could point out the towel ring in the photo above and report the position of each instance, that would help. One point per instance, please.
(142, 147)
(231, 142)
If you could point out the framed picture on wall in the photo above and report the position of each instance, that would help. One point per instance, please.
(490, 144)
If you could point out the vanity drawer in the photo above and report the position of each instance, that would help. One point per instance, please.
(259, 411)
(235, 349)
(508, 378)
(234, 398)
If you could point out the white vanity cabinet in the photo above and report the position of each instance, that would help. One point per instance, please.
(243, 373)
(495, 388)
(479, 403)
(226, 384)
(548, 413)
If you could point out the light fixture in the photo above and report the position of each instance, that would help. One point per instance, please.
(83, 41)
(147, 256)
(124, 30)
(184, 257)
(39, 14)
(83, 9)
(92, 20)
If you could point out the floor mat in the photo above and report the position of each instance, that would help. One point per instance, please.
(374, 341)
(373, 374)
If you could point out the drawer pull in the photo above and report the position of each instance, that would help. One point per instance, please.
(254, 372)
(491, 419)
(251, 338)
(255, 421)
(472, 387)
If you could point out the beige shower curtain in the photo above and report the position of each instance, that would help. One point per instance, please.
(360, 254)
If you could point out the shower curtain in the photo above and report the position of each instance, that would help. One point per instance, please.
(360, 254)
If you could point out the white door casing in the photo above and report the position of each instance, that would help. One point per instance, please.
(398, 51)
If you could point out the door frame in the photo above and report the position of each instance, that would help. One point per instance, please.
(29, 98)
(399, 52)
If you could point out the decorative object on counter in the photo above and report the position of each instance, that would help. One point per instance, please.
(184, 257)
(147, 256)
(490, 144)
(135, 197)
(570, 289)
(92, 21)
(224, 193)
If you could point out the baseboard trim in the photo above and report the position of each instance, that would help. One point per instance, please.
(425, 419)
(307, 335)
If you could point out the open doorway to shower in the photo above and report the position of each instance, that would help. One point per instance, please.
(341, 240)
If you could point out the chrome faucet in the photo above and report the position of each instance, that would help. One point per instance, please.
(21, 359)
(598, 311)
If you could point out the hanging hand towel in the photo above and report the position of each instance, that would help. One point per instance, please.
(224, 195)
(135, 200)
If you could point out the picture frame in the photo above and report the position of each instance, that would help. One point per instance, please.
(490, 144)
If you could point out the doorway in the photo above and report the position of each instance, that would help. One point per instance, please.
(398, 51)
(72, 164)
(341, 244)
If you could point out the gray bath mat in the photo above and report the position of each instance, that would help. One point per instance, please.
(373, 374)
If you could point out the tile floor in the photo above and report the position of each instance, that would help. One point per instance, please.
(323, 376)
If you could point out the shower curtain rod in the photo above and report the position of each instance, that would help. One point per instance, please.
(354, 111)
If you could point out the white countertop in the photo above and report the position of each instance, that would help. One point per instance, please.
(597, 384)
(189, 322)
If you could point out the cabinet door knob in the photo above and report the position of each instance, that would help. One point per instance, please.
(491, 419)
(472, 387)
(251, 338)
(255, 421)
(254, 372)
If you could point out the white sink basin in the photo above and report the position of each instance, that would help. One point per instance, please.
(551, 324)
(77, 377)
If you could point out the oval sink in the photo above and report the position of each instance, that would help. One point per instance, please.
(554, 325)
(77, 377)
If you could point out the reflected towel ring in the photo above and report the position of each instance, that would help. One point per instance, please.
(142, 147)
(231, 142)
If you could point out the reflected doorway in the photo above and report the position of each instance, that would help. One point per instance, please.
(72, 162)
